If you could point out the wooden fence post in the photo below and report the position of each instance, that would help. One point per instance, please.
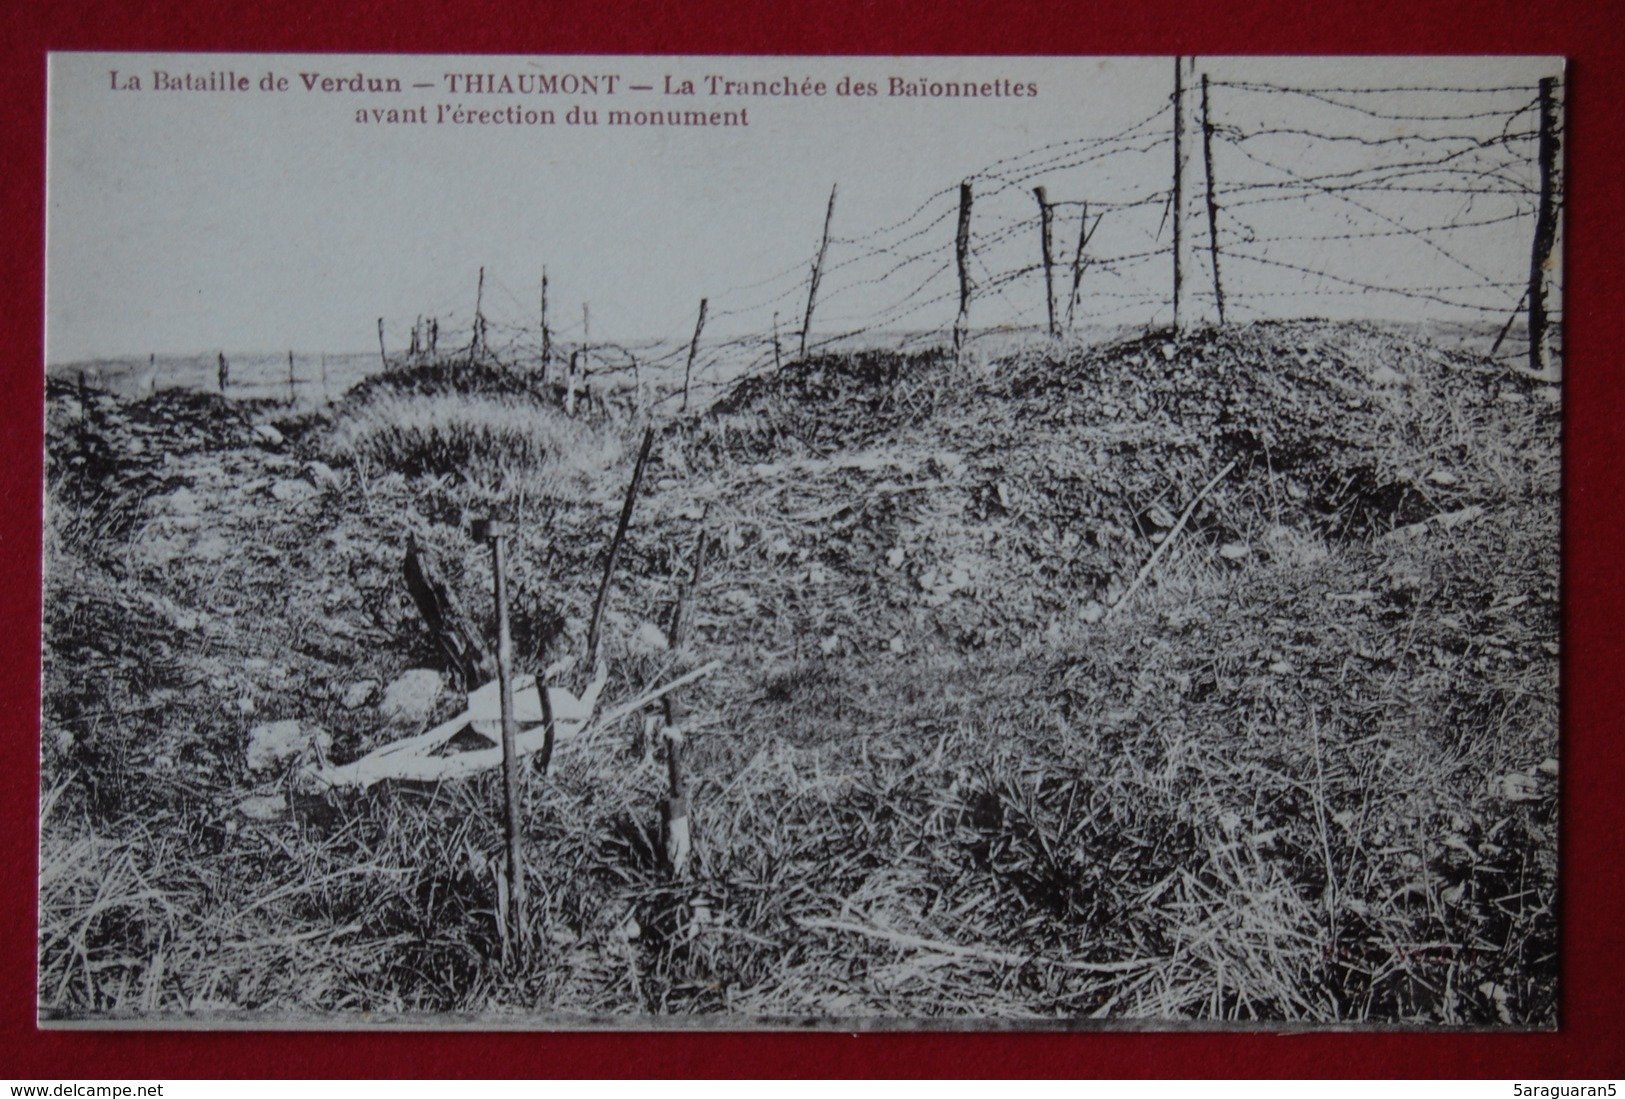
(381, 359)
(496, 533)
(818, 270)
(223, 372)
(1545, 230)
(693, 347)
(1182, 241)
(570, 384)
(326, 396)
(1212, 200)
(1046, 227)
(962, 255)
(291, 396)
(479, 320)
(547, 335)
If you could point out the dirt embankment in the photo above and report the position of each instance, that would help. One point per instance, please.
(1318, 734)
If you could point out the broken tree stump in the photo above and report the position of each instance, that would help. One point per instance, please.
(448, 624)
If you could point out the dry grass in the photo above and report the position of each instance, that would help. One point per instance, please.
(1312, 783)
(507, 445)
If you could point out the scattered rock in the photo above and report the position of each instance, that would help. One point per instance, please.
(290, 491)
(183, 501)
(650, 637)
(273, 743)
(263, 807)
(1235, 551)
(410, 699)
(1092, 612)
(1515, 786)
(1159, 516)
(265, 433)
(322, 476)
(360, 693)
(211, 546)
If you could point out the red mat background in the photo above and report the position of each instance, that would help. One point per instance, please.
(1592, 1040)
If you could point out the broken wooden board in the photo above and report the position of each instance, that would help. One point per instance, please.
(471, 742)
(477, 731)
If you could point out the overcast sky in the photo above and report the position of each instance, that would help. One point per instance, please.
(184, 221)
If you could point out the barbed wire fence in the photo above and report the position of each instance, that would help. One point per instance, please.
(1232, 201)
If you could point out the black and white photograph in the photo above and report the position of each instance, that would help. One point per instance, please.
(567, 542)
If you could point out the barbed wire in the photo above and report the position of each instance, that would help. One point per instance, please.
(1286, 199)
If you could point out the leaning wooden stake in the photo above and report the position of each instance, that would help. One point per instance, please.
(962, 257)
(496, 532)
(1046, 228)
(1212, 200)
(693, 347)
(1540, 259)
(817, 271)
(453, 634)
(615, 546)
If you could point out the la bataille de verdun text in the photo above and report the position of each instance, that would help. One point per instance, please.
(685, 90)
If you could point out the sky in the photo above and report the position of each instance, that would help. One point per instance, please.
(184, 221)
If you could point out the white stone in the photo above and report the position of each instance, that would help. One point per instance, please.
(263, 807)
(322, 475)
(410, 699)
(275, 742)
(289, 491)
(360, 693)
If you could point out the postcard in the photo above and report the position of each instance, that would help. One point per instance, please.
(801, 542)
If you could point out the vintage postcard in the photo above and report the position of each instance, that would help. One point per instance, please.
(801, 542)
